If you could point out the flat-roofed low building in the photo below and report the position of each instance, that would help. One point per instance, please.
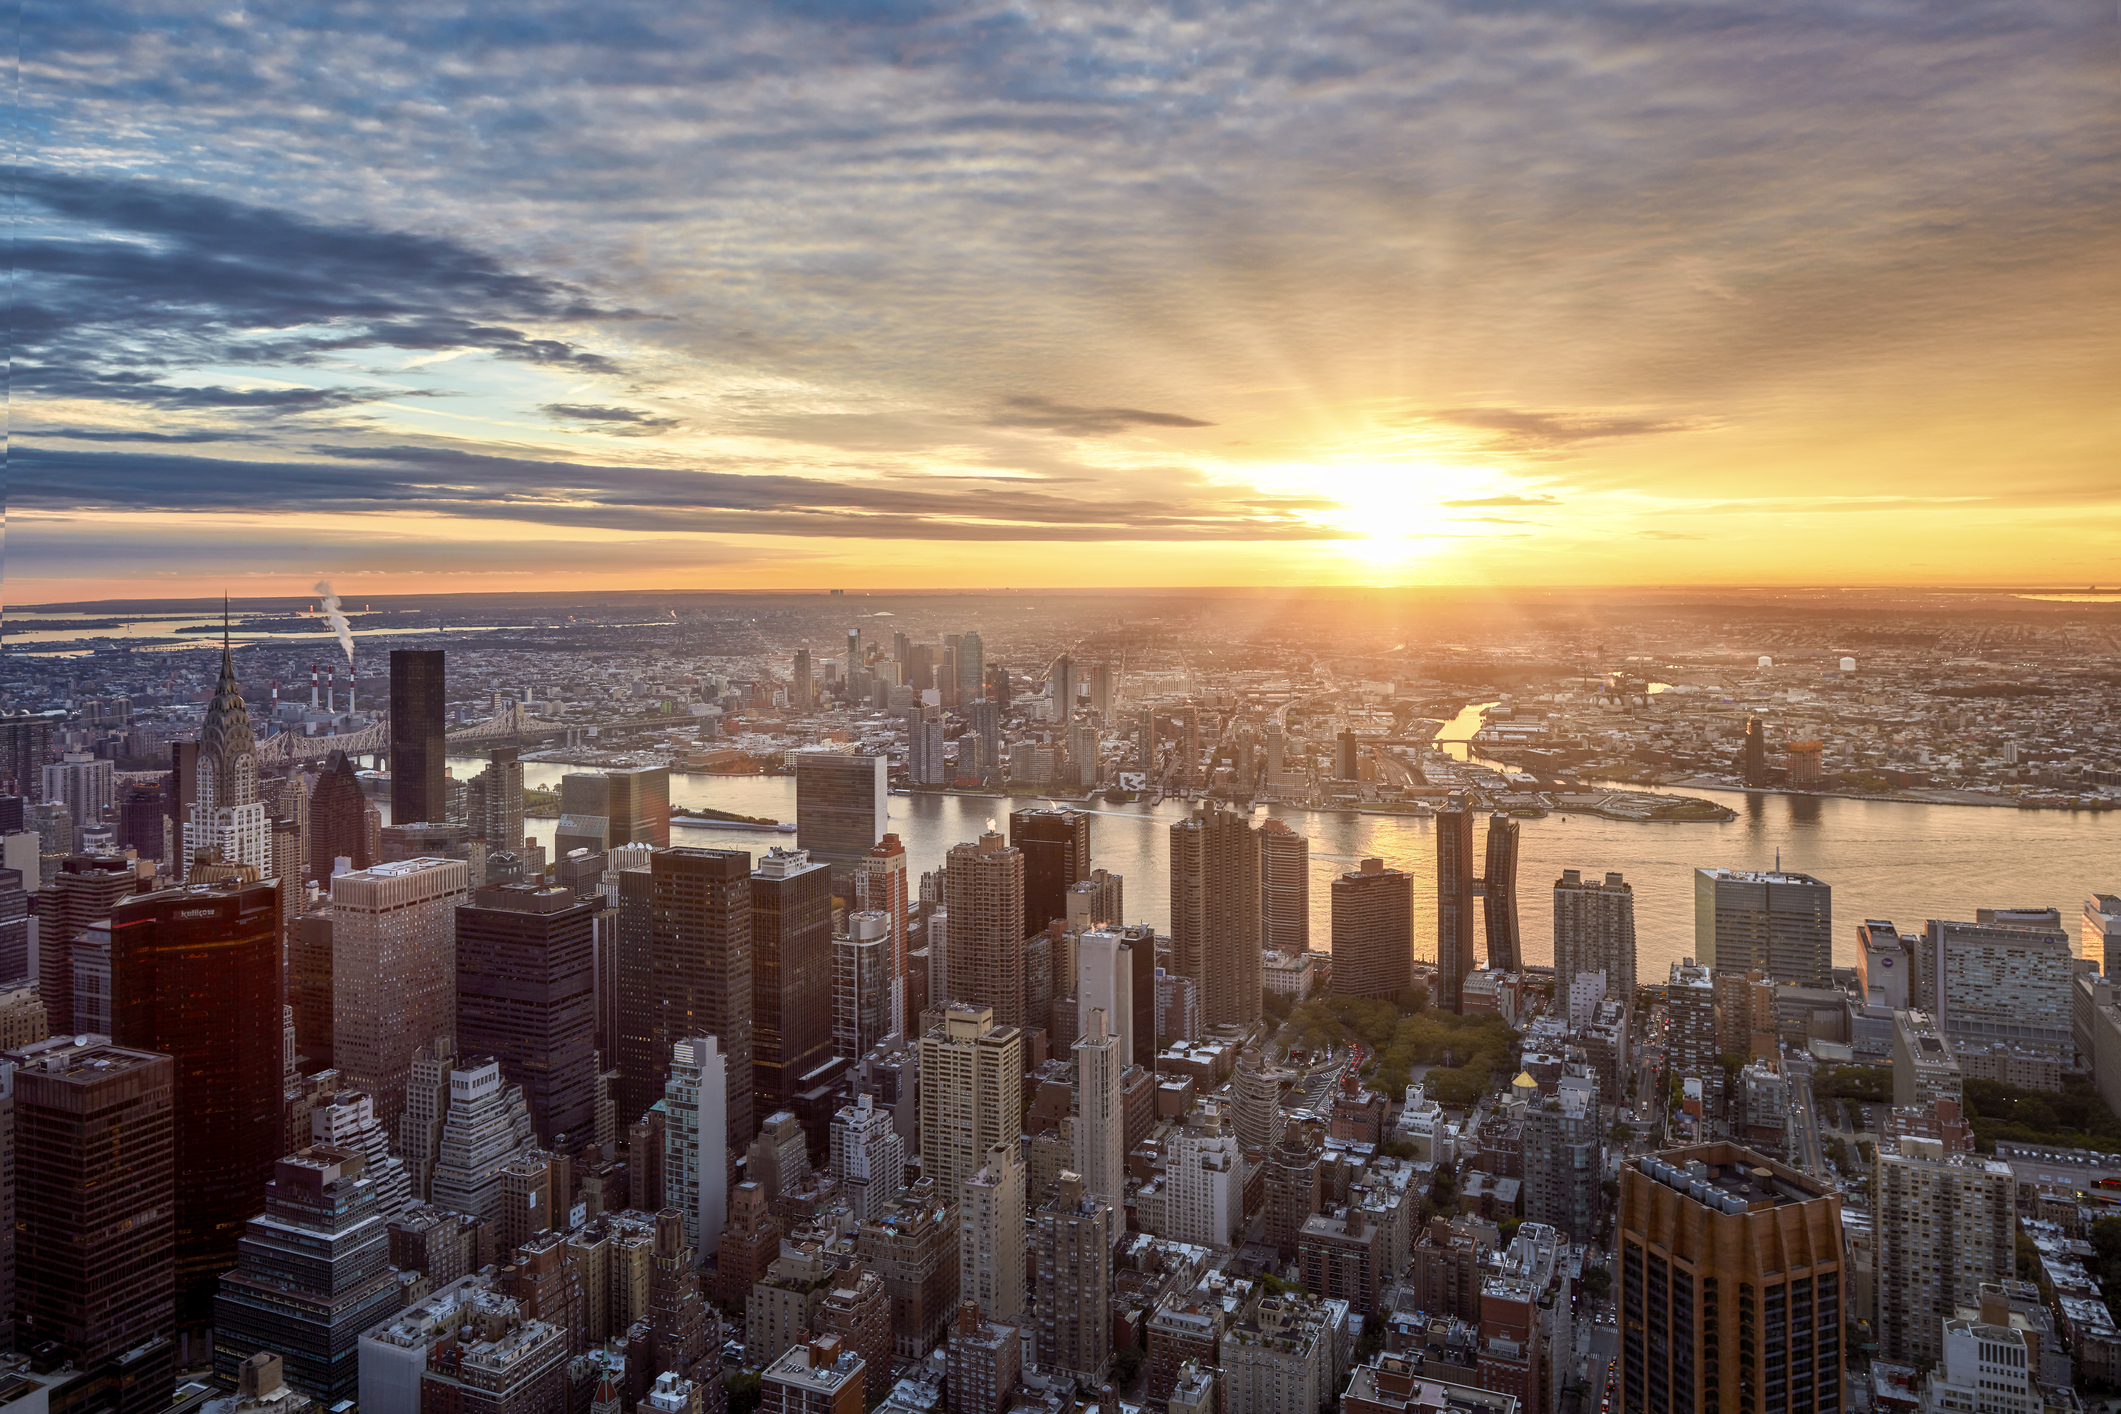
(1925, 1069)
(819, 1377)
(1399, 1384)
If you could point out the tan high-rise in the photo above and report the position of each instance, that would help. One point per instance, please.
(1731, 1288)
(1944, 1224)
(394, 972)
(990, 1244)
(983, 890)
(1100, 1118)
(1215, 913)
(972, 1087)
(1373, 931)
(1284, 888)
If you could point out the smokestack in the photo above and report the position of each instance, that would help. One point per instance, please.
(312, 687)
(276, 699)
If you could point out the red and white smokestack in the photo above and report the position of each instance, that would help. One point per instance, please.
(276, 699)
(313, 687)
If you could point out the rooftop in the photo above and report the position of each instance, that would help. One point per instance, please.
(1729, 1178)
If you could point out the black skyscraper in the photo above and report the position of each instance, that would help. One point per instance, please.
(1455, 882)
(1499, 888)
(95, 1191)
(791, 975)
(525, 996)
(195, 975)
(1056, 848)
(1755, 764)
(699, 939)
(417, 724)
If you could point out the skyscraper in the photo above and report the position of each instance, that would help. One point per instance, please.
(1730, 1285)
(696, 1158)
(1564, 1162)
(1104, 980)
(338, 828)
(195, 975)
(312, 1274)
(493, 801)
(585, 814)
(225, 815)
(1062, 686)
(1284, 888)
(1455, 882)
(1776, 923)
(639, 801)
(1373, 931)
(861, 985)
(1215, 920)
(1944, 1226)
(983, 889)
(701, 960)
(1072, 1241)
(394, 971)
(971, 666)
(1100, 1118)
(1499, 895)
(801, 696)
(1594, 931)
(1754, 764)
(526, 996)
(86, 889)
(842, 804)
(882, 887)
(95, 1157)
(418, 724)
(925, 763)
(990, 1244)
(868, 1156)
(1056, 850)
(791, 975)
(971, 1093)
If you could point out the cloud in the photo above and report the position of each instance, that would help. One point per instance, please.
(1045, 415)
(436, 481)
(853, 224)
(1668, 535)
(127, 282)
(1500, 501)
(1520, 427)
(111, 434)
(624, 422)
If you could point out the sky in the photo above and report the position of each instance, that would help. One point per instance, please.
(923, 294)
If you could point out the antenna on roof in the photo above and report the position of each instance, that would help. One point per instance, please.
(1778, 859)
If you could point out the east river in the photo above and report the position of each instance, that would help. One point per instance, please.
(1906, 862)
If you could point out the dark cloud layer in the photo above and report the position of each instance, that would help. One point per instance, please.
(1045, 415)
(439, 481)
(124, 285)
(631, 422)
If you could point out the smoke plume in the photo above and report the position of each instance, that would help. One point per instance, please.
(336, 619)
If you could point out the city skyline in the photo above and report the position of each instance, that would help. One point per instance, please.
(920, 294)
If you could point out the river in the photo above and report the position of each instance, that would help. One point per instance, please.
(1906, 862)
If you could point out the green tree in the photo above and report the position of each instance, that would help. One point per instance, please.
(743, 1392)
(1597, 1282)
